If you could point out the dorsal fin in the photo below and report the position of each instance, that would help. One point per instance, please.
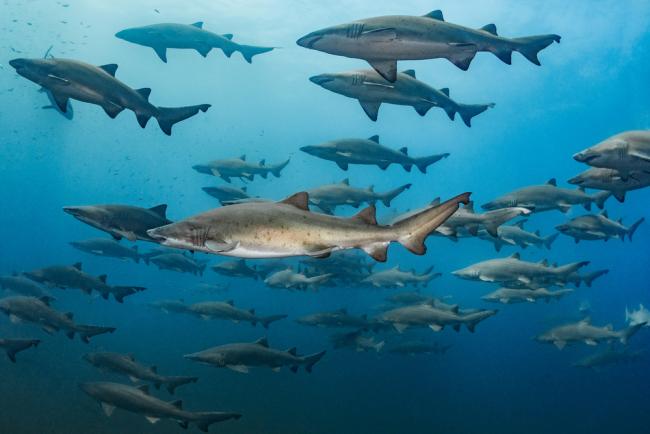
(490, 28)
(520, 223)
(292, 351)
(263, 342)
(198, 24)
(586, 320)
(145, 92)
(227, 35)
(230, 302)
(77, 265)
(143, 388)
(410, 72)
(69, 315)
(371, 188)
(552, 182)
(538, 233)
(161, 210)
(374, 138)
(244, 188)
(242, 157)
(154, 369)
(404, 150)
(367, 215)
(435, 202)
(110, 68)
(544, 262)
(604, 214)
(300, 200)
(102, 278)
(515, 255)
(178, 404)
(251, 311)
(445, 90)
(609, 327)
(346, 181)
(262, 162)
(436, 15)
(469, 206)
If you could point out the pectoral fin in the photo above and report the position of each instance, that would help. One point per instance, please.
(108, 409)
(385, 68)
(400, 327)
(371, 108)
(152, 420)
(559, 344)
(242, 369)
(435, 327)
(220, 247)
(61, 101)
(161, 52)
(591, 342)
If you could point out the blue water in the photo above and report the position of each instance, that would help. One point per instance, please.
(591, 86)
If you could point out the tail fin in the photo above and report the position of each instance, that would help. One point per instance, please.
(412, 231)
(423, 162)
(378, 346)
(390, 195)
(248, 51)
(173, 382)
(204, 419)
(277, 169)
(548, 241)
(311, 360)
(315, 281)
(88, 331)
(626, 334)
(530, 46)
(634, 227)
(600, 198)
(168, 116)
(590, 277)
(267, 320)
(468, 111)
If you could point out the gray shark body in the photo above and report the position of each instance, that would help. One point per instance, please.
(382, 41)
(240, 168)
(425, 315)
(369, 152)
(626, 153)
(547, 197)
(22, 285)
(70, 79)
(328, 197)
(409, 298)
(226, 193)
(467, 219)
(107, 248)
(170, 306)
(520, 295)
(516, 235)
(121, 221)
(597, 227)
(290, 279)
(226, 310)
(338, 319)
(396, 278)
(288, 228)
(371, 90)
(163, 36)
(237, 268)
(609, 357)
(357, 341)
(414, 348)
(584, 332)
(180, 263)
(127, 365)
(137, 400)
(14, 346)
(641, 315)
(37, 311)
(241, 356)
(612, 181)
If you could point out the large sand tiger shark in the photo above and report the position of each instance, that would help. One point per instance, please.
(288, 228)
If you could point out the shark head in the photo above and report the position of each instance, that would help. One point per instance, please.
(92, 215)
(202, 168)
(213, 358)
(330, 39)
(36, 70)
(604, 154)
(337, 82)
(500, 202)
(322, 151)
(189, 235)
(137, 35)
(468, 273)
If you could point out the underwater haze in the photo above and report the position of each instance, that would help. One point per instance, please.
(591, 86)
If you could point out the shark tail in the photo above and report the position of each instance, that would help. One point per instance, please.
(267, 320)
(248, 51)
(11, 352)
(203, 419)
(173, 382)
(626, 334)
(530, 46)
(600, 198)
(468, 111)
(379, 346)
(314, 282)
(589, 278)
(168, 116)
(312, 359)
(276, 170)
(412, 231)
(88, 331)
(548, 241)
(423, 162)
(390, 195)
(634, 227)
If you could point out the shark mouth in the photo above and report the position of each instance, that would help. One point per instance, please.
(585, 159)
(320, 80)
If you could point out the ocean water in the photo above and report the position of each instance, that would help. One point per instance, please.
(498, 379)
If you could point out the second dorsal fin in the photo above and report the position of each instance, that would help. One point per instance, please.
(110, 69)
(300, 200)
(367, 215)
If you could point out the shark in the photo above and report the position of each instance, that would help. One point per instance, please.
(22, 285)
(240, 168)
(626, 152)
(466, 218)
(612, 181)
(584, 332)
(15, 346)
(179, 263)
(397, 278)
(519, 295)
(425, 315)
(226, 310)
(226, 193)
(290, 279)
(108, 248)
(328, 197)
(639, 316)
(598, 227)
(382, 41)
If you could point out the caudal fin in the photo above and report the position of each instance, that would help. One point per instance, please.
(88, 331)
(600, 198)
(278, 169)
(626, 334)
(390, 195)
(173, 382)
(634, 227)
(468, 111)
(570, 268)
(248, 51)
(548, 241)
(412, 231)
(423, 162)
(590, 277)
(267, 320)
(203, 419)
(311, 360)
(168, 116)
(530, 46)
(316, 281)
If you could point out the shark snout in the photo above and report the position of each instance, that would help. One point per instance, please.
(309, 40)
(321, 79)
(72, 210)
(585, 157)
(576, 180)
(18, 63)
(157, 235)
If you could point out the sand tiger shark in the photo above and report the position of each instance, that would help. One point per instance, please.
(371, 90)
(625, 152)
(382, 41)
(162, 36)
(584, 331)
(288, 228)
(67, 79)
